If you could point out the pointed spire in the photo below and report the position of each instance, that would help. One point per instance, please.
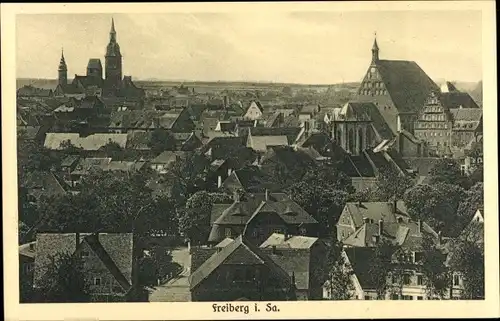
(375, 45)
(375, 50)
(62, 62)
(112, 33)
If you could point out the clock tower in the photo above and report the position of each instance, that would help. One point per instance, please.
(113, 60)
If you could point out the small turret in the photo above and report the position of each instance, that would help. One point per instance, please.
(62, 70)
(375, 50)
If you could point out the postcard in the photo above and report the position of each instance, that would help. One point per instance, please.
(180, 161)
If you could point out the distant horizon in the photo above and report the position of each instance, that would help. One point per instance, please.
(304, 47)
(438, 81)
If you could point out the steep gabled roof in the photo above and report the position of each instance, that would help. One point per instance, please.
(451, 100)
(294, 242)
(407, 84)
(237, 252)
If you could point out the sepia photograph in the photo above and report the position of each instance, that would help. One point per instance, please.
(248, 158)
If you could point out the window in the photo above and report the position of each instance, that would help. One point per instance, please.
(97, 281)
(420, 280)
(367, 297)
(407, 297)
(456, 280)
(395, 297)
(302, 231)
(84, 254)
(228, 232)
(406, 279)
(418, 256)
(278, 230)
(420, 297)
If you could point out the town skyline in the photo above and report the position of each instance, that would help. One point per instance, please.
(217, 53)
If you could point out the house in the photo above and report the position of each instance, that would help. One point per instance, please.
(467, 125)
(360, 125)
(302, 257)
(40, 184)
(27, 261)
(88, 143)
(254, 110)
(293, 134)
(85, 166)
(249, 179)
(258, 216)
(271, 119)
(34, 93)
(108, 262)
(262, 143)
(238, 271)
(308, 112)
(356, 216)
(222, 147)
(177, 121)
(163, 161)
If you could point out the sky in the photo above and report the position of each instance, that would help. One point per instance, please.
(292, 47)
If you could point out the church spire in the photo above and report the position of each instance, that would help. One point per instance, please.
(375, 50)
(62, 62)
(112, 33)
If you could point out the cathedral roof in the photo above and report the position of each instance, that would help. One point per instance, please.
(407, 84)
(88, 81)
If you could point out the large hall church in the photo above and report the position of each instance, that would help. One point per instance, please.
(114, 84)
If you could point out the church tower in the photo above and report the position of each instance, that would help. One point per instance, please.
(113, 60)
(375, 51)
(62, 71)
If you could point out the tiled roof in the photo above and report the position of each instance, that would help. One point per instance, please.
(115, 250)
(30, 91)
(268, 119)
(296, 262)
(221, 147)
(365, 111)
(168, 157)
(69, 160)
(309, 109)
(423, 165)
(88, 81)
(293, 242)
(224, 242)
(85, 165)
(237, 252)
(453, 100)
(261, 143)
(251, 179)
(407, 84)
(138, 140)
(123, 166)
(46, 183)
(91, 142)
(290, 132)
(371, 210)
(360, 259)
(467, 114)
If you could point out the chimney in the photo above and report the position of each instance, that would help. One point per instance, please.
(440, 238)
(236, 196)
(267, 194)
(419, 226)
(366, 220)
(380, 227)
(274, 249)
(219, 181)
(394, 205)
(77, 239)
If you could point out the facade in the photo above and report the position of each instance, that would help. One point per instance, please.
(398, 88)
(259, 216)
(238, 271)
(108, 262)
(254, 111)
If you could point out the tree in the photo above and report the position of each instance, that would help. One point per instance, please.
(156, 266)
(323, 193)
(113, 150)
(437, 277)
(64, 281)
(338, 274)
(68, 148)
(194, 219)
(448, 171)
(436, 204)
(391, 184)
(161, 140)
(473, 200)
(381, 268)
(468, 260)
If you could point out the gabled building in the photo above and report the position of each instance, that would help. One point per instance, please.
(302, 257)
(109, 265)
(249, 179)
(398, 88)
(254, 110)
(256, 218)
(238, 271)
